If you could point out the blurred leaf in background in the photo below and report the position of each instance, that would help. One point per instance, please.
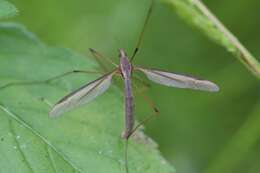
(196, 130)
(7, 9)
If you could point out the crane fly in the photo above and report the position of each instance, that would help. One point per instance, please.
(125, 69)
(91, 90)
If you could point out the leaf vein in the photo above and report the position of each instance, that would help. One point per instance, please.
(23, 123)
(18, 146)
(53, 165)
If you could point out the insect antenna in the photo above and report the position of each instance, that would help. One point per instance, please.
(142, 31)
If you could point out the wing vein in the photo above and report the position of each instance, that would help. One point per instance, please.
(83, 95)
(178, 80)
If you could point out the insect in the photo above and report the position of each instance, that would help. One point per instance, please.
(125, 69)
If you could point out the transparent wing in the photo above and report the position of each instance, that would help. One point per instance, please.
(177, 80)
(82, 95)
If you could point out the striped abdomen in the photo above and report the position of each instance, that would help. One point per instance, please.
(129, 109)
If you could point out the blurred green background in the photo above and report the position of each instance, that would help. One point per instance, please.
(196, 131)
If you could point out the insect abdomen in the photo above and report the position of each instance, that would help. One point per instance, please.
(129, 110)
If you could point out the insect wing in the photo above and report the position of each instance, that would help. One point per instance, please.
(179, 81)
(82, 95)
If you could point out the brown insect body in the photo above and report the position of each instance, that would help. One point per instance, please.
(125, 69)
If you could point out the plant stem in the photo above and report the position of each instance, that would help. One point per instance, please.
(245, 56)
(202, 18)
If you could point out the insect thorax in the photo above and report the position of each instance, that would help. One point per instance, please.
(125, 65)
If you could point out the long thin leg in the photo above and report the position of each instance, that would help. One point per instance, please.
(142, 31)
(99, 57)
(47, 80)
(142, 90)
(126, 155)
(156, 112)
(151, 105)
(146, 120)
(146, 84)
(46, 102)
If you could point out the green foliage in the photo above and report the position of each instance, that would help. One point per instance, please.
(196, 132)
(237, 149)
(84, 140)
(6, 9)
(197, 14)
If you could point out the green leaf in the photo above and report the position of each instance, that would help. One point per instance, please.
(199, 16)
(86, 139)
(6, 9)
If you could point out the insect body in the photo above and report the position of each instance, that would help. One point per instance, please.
(89, 91)
(126, 72)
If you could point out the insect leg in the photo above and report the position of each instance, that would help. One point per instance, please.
(148, 118)
(47, 102)
(99, 57)
(146, 84)
(156, 112)
(47, 80)
(126, 155)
